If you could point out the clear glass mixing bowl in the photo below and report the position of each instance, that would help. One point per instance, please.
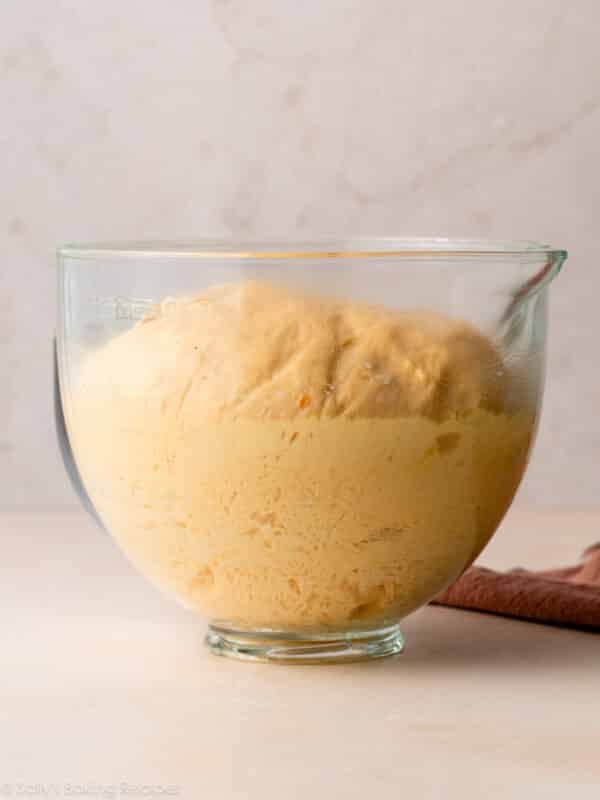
(303, 443)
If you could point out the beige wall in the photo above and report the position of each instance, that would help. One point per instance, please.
(150, 119)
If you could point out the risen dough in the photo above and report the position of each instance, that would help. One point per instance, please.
(290, 462)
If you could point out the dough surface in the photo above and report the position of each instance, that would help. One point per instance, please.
(285, 461)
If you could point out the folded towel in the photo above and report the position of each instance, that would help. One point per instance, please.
(569, 596)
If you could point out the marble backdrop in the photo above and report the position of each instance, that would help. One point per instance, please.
(192, 118)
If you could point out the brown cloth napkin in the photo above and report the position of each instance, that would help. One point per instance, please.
(569, 596)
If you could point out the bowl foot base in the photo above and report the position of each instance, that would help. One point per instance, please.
(278, 647)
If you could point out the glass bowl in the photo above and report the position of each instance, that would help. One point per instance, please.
(302, 443)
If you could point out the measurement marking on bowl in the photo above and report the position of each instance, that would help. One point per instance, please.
(123, 307)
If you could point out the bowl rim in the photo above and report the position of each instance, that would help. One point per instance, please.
(356, 247)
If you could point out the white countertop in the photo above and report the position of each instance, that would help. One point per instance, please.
(105, 682)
